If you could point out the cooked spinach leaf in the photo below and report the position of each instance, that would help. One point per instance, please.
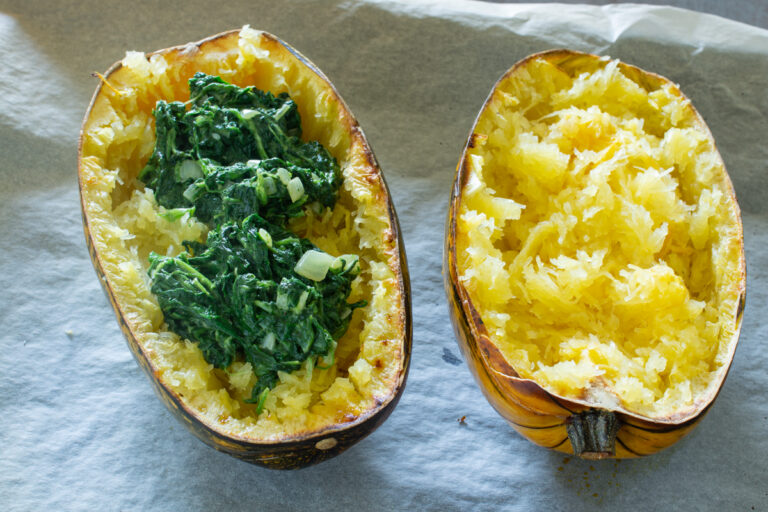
(211, 144)
(253, 290)
(272, 188)
(239, 293)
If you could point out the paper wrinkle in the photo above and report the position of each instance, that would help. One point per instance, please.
(81, 426)
(665, 23)
(33, 95)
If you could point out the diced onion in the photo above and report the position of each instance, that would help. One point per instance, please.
(282, 301)
(264, 234)
(248, 113)
(192, 192)
(284, 175)
(268, 342)
(253, 163)
(295, 189)
(302, 301)
(314, 265)
(269, 186)
(190, 170)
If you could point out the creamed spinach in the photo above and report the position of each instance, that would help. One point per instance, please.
(254, 290)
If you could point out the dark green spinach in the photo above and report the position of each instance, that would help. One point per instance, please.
(222, 139)
(236, 159)
(238, 294)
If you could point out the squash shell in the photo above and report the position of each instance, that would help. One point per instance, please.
(290, 451)
(541, 416)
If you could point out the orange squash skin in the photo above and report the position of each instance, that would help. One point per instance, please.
(540, 416)
(291, 452)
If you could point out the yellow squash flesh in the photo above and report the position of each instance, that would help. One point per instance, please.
(594, 256)
(312, 414)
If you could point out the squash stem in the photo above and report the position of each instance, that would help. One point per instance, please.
(593, 433)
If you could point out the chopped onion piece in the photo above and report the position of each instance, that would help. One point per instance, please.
(190, 170)
(269, 186)
(268, 342)
(284, 175)
(248, 113)
(314, 265)
(253, 163)
(295, 189)
(193, 191)
(264, 234)
(302, 301)
(281, 301)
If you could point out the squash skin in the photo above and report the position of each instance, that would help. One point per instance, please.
(540, 416)
(306, 448)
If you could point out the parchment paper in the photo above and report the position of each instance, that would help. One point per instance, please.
(80, 428)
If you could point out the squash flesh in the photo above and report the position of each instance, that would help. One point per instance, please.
(124, 223)
(597, 237)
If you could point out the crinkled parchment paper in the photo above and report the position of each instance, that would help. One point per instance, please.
(80, 428)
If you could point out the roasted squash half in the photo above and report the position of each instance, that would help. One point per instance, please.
(594, 259)
(311, 414)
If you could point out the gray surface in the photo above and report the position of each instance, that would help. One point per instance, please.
(754, 12)
(79, 424)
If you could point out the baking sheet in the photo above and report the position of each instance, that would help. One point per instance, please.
(80, 428)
